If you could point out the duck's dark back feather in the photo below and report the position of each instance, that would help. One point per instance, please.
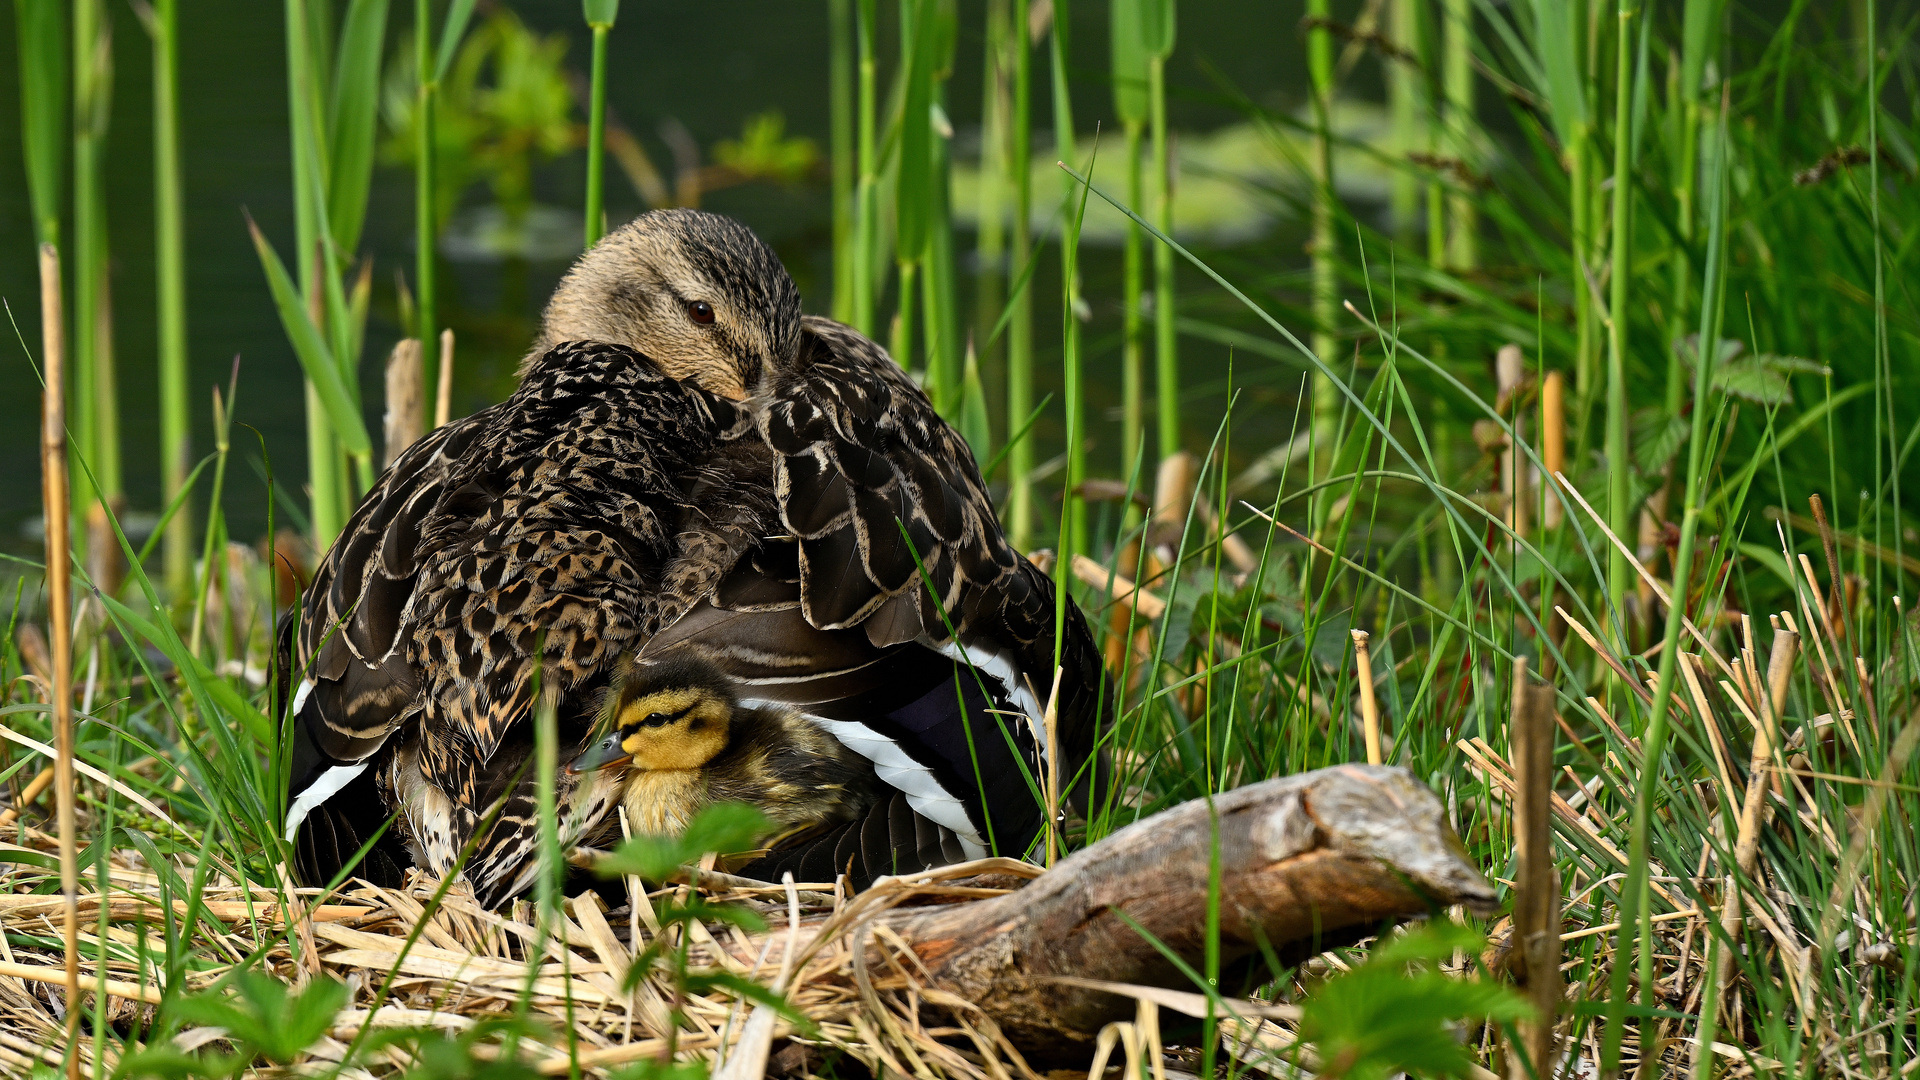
(605, 508)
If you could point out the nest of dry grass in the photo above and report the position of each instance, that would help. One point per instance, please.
(420, 957)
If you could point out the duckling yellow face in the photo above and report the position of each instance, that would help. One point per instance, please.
(675, 728)
(698, 294)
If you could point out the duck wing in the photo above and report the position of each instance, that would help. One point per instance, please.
(527, 546)
(888, 606)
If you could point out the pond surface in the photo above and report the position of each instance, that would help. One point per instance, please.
(706, 66)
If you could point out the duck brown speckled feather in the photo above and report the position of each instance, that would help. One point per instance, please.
(621, 504)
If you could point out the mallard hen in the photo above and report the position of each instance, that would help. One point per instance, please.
(689, 468)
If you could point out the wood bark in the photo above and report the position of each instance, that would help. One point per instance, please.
(1305, 862)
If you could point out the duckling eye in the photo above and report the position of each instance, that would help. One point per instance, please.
(701, 312)
(658, 719)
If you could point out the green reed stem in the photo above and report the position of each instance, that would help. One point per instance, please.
(990, 242)
(209, 564)
(1619, 475)
(1636, 927)
(95, 411)
(600, 16)
(866, 231)
(1019, 251)
(1166, 357)
(1325, 255)
(326, 474)
(170, 277)
(940, 292)
(425, 228)
(1463, 218)
(1128, 64)
(1073, 526)
(1133, 345)
(1403, 106)
(840, 112)
(41, 35)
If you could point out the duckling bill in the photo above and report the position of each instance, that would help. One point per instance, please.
(678, 740)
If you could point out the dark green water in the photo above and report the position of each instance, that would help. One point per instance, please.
(707, 66)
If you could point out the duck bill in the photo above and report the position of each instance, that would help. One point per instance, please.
(604, 754)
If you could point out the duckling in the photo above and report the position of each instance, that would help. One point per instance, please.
(690, 467)
(684, 742)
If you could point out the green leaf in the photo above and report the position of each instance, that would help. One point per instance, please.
(750, 991)
(976, 425)
(723, 828)
(1656, 439)
(458, 16)
(312, 351)
(351, 120)
(765, 152)
(1392, 1014)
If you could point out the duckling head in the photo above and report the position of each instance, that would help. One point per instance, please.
(676, 716)
(697, 293)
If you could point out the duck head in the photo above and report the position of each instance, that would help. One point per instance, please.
(673, 716)
(697, 293)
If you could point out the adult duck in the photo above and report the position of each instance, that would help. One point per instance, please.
(689, 468)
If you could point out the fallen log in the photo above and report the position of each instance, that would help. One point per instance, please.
(1306, 862)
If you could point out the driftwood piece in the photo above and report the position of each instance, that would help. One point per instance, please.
(1316, 858)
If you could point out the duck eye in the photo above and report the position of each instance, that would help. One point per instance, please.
(701, 312)
(658, 719)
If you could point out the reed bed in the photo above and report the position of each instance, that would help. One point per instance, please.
(1571, 482)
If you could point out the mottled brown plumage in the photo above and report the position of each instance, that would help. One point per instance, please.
(732, 489)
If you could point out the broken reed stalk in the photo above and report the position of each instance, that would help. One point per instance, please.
(404, 398)
(1553, 442)
(1510, 368)
(1746, 846)
(1837, 611)
(1369, 708)
(443, 395)
(35, 788)
(1536, 907)
(53, 480)
(1119, 588)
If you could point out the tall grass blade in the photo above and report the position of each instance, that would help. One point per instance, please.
(342, 410)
